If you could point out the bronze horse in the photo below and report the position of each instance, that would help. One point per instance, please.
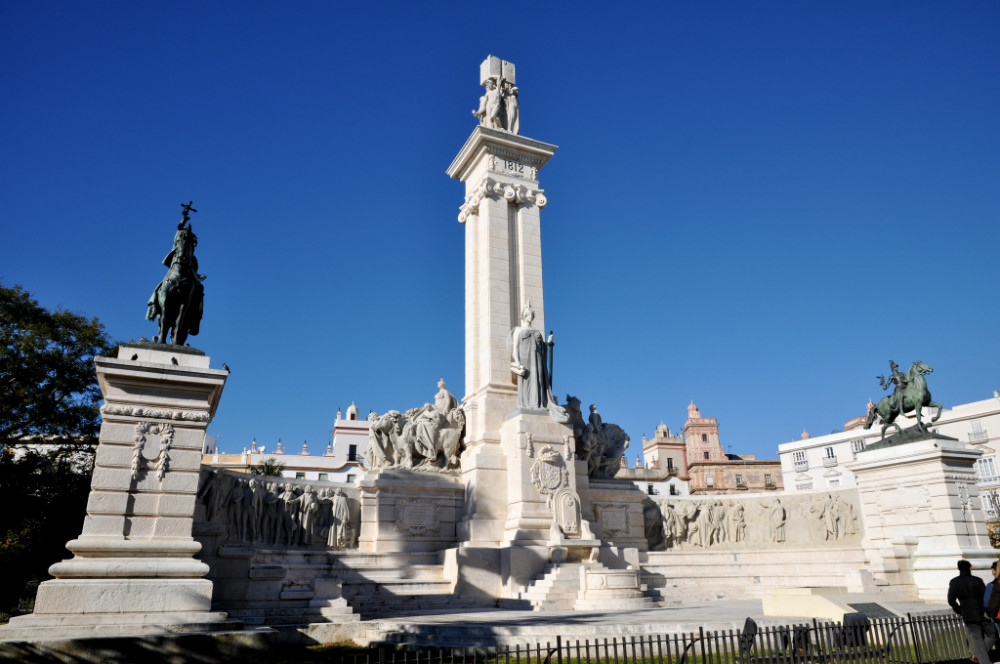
(914, 396)
(178, 299)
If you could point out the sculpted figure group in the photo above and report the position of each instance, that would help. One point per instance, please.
(601, 445)
(270, 512)
(499, 108)
(426, 438)
(735, 523)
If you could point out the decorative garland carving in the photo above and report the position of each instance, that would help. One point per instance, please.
(143, 457)
(157, 413)
(513, 193)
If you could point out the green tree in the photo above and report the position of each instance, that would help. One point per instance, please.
(269, 468)
(49, 423)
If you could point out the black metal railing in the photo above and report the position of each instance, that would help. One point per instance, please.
(911, 640)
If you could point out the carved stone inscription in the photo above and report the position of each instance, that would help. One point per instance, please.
(418, 517)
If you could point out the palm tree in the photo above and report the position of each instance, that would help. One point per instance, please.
(269, 468)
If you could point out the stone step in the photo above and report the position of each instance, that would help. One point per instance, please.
(395, 588)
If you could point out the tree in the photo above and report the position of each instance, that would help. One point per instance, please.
(269, 468)
(49, 422)
(47, 378)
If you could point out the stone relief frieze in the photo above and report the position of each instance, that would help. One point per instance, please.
(151, 449)
(277, 512)
(155, 413)
(418, 517)
(754, 521)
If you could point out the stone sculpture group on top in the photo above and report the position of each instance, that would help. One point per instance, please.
(426, 438)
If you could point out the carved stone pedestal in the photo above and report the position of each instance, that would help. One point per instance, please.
(411, 511)
(133, 570)
(921, 513)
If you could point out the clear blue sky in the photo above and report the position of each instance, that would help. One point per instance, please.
(754, 205)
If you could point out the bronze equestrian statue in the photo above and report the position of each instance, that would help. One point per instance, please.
(910, 394)
(179, 298)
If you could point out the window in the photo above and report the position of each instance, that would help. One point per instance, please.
(704, 437)
(739, 480)
(350, 479)
(352, 452)
(799, 457)
(833, 481)
(650, 490)
(830, 454)
(673, 490)
(670, 463)
(300, 476)
(323, 477)
(709, 480)
(804, 486)
(767, 480)
(858, 445)
(977, 434)
(706, 455)
(986, 469)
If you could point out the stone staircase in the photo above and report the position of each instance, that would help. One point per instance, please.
(585, 586)
(400, 584)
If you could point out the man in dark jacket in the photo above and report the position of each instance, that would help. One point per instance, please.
(965, 595)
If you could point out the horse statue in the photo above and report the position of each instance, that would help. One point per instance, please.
(913, 395)
(179, 298)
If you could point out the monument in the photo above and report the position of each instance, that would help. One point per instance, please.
(508, 498)
(134, 569)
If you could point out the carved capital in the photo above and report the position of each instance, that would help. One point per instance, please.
(513, 193)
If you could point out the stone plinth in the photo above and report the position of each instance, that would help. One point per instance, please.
(921, 513)
(133, 570)
(617, 507)
(404, 510)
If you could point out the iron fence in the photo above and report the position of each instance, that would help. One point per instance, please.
(857, 640)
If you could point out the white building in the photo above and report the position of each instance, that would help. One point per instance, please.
(341, 462)
(818, 463)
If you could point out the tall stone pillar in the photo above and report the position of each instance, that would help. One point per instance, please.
(134, 570)
(503, 272)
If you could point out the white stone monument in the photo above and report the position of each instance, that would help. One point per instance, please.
(134, 569)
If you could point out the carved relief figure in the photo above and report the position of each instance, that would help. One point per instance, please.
(777, 521)
(341, 521)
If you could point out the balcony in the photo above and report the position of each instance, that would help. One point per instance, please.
(829, 462)
(978, 436)
(801, 465)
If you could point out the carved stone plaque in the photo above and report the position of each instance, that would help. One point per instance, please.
(614, 520)
(418, 517)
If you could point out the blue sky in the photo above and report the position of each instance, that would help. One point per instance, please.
(754, 205)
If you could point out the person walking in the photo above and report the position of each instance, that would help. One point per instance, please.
(992, 598)
(965, 596)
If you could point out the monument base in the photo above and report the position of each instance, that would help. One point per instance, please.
(404, 510)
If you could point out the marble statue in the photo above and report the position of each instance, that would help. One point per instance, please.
(426, 438)
(499, 107)
(777, 521)
(910, 394)
(529, 364)
(178, 300)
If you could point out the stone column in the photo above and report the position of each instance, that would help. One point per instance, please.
(134, 570)
(921, 514)
(503, 271)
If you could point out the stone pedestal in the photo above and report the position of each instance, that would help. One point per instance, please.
(133, 570)
(921, 513)
(409, 511)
